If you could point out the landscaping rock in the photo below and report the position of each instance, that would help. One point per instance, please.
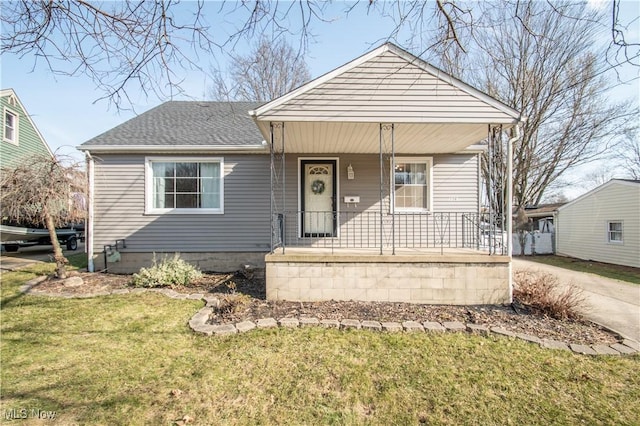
(371, 325)
(309, 322)
(582, 349)
(529, 338)
(502, 332)
(205, 329)
(392, 326)
(433, 327)
(212, 301)
(120, 291)
(330, 323)
(350, 323)
(554, 344)
(245, 326)
(267, 323)
(289, 322)
(195, 296)
(623, 349)
(72, 282)
(478, 329)
(605, 350)
(224, 329)
(412, 326)
(455, 326)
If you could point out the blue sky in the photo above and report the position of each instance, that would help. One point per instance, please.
(67, 114)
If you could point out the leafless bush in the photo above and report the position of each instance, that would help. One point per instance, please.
(542, 292)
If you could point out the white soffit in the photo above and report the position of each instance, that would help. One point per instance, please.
(364, 138)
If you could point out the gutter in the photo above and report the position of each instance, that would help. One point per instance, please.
(172, 148)
(510, 204)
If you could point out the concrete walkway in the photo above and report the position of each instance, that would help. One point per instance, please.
(27, 256)
(612, 303)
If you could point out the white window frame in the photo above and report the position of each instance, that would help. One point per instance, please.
(16, 122)
(428, 161)
(609, 232)
(149, 209)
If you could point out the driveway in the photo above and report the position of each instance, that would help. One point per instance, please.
(28, 256)
(612, 303)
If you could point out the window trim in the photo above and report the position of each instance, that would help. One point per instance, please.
(148, 187)
(608, 229)
(15, 140)
(428, 161)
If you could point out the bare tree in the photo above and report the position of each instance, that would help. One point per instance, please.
(628, 155)
(41, 190)
(270, 70)
(545, 64)
(150, 45)
(116, 44)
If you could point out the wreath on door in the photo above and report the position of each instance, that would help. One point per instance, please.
(317, 186)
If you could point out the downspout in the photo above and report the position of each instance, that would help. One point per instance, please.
(510, 204)
(88, 228)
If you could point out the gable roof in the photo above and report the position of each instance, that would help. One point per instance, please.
(341, 111)
(183, 125)
(623, 182)
(11, 93)
(369, 81)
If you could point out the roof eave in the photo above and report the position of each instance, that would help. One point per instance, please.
(172, 148)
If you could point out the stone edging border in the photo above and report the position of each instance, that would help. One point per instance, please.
(198, 323)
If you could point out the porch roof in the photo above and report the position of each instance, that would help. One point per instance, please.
(341, 111)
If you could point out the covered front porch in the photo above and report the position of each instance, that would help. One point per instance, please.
(376, 189)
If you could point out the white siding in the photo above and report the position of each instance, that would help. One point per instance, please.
(119, 210)
(582, 225)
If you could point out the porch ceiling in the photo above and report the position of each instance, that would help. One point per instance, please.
(317, 137)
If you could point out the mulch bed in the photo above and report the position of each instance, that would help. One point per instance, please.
(244, 299)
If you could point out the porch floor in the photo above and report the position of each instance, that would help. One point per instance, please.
(402, 255)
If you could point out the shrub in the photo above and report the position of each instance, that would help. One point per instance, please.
(543, 293)
(168, 272)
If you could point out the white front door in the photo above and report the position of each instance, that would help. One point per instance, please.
(318, 192)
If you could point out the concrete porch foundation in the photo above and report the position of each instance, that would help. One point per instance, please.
(131, 262)
(452, 279)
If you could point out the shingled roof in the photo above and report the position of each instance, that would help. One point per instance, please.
(185, 123)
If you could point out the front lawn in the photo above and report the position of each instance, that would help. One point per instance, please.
(608, 270)
(132, 359)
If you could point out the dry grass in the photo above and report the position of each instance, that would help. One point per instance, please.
(132, 360)
(543, 292)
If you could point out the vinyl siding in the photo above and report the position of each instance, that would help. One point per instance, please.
(582, 226)
(455, 189)
(119, 202)
(387, 88)
(29, 141)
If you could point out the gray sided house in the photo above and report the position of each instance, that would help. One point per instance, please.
(363, 184)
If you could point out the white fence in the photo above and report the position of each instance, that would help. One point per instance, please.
(535, 243)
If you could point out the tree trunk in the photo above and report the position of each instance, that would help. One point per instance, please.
(61, 261)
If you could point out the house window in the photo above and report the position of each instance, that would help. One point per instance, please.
(10, 126)
(614, 232)
(412, 184)
(184, 185)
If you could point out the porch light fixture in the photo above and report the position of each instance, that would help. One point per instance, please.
(350, 174)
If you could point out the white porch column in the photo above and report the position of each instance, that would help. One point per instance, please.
(88, 227)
